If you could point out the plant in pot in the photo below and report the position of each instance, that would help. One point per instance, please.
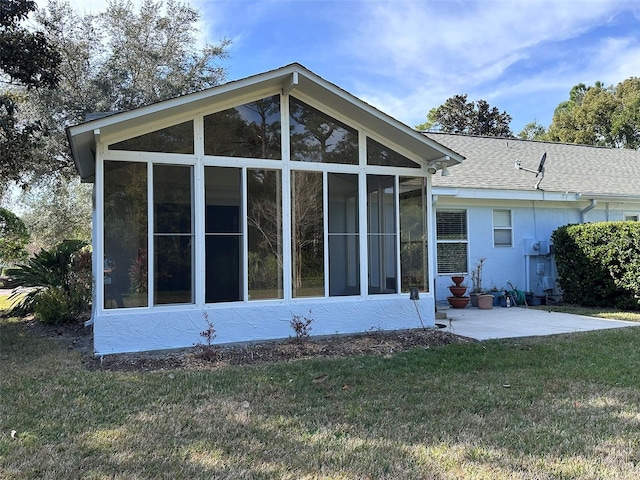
(497, 294)
(477, 292)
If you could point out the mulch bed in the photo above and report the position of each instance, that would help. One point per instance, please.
(78, 338)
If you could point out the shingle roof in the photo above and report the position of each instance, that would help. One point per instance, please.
(490, 164)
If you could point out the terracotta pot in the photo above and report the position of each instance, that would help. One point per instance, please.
(457, 279)
(458, 302)
(457, 291)
(485, 302)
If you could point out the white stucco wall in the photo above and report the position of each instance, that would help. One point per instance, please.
(177, 327)
(531, 220)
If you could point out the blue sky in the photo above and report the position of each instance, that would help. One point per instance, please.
(405, 57)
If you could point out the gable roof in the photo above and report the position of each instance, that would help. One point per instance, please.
(579, 169)
(291, 78)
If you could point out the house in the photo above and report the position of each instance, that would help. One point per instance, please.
(496, 205)
(247, 204)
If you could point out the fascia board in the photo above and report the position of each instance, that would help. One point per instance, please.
(488, 194)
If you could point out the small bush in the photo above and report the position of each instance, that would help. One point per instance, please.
(52, 306)
(301, 325)
(207, 350)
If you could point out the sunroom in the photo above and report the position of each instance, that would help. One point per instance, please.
(247, 204)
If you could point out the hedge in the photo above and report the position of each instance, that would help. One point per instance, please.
(599, 263)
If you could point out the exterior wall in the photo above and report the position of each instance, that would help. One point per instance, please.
(170, 328)
(532, 221)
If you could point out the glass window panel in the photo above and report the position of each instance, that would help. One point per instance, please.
(378, 154)
(308, 234)
(223, 268)
(451, 225)
(264, 224)
(452, 258)
(172, 199)
(173, 269)
(316, 137)
(250, 131)
(413, 234)
(502, 218)
(381, 223)
(344, 256)
(502, 237)
(223, 228)
(173, 243)
(125, 234)
(174, 139)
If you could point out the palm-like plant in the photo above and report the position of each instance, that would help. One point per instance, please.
(53, 276)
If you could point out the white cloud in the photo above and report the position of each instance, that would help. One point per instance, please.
(432, 50)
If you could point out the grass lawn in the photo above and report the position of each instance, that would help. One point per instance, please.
(608, 313)
(560, 407)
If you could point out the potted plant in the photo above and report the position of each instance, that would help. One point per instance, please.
(476, 279)
(497, 293)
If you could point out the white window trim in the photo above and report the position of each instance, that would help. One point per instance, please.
(509, 228)
(435, 233)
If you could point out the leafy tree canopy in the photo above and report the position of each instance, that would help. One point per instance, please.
(599, 115)
(13, 237)
(457, 115)
(120, 59)
(28, 60)
(533, 131)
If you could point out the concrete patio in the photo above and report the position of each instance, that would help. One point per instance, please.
(500, 322)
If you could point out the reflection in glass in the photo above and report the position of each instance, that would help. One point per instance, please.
(173, 234)
(250, 131)
(344, 256)
(264, 224)
(125, 234)
(381, 223)
(223, 227)
(174, 139)
(413, 234)
(316, 137)
(378, 154)
(308, 234)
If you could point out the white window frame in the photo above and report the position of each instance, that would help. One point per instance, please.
(631, 216)
(459, 241)
(502, 228)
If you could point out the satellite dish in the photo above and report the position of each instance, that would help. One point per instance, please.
(542, 160)
(539, 173)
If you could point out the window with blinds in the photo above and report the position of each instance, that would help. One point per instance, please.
(502, 229)
(451, 239)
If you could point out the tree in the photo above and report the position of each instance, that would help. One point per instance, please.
(118, 60)
(533, 131)
(456, 115)
(13, 237)
(30, 61)
(57, 213)
(599, 115)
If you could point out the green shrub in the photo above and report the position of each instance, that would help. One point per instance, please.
(52, 306)
(599, 263)
(58, 283)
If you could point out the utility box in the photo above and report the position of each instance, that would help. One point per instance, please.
(534, 247)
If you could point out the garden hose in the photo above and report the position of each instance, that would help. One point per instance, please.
(518, 296)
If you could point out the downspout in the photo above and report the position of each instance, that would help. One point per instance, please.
(584, 211)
